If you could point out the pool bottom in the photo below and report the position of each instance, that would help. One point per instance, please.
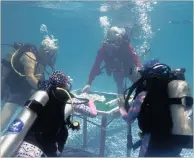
(116, 139)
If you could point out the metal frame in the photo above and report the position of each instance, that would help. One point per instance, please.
(103, 126)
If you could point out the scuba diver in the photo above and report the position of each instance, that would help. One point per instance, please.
(119, 59)
(20, 72)
(162, 104)
(48, 134)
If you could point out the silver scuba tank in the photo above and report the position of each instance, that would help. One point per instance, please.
(68, 110)
(18, 129)
(181, 122)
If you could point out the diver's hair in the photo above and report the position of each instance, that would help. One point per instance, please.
(145, 75)
(49, 44)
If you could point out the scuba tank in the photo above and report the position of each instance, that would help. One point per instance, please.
(180, 90)
(18, 129)
(182, 131)
(68, 110)
(168, 117)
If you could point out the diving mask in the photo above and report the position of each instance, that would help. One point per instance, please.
(115, 37)
(112, 44)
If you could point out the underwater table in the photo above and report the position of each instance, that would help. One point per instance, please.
(105, 109)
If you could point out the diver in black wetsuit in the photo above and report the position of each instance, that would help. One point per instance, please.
(49, 132)
(162, 105)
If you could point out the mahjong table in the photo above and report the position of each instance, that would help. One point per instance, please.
(105, 109)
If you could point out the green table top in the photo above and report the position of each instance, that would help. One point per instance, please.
(101, 106)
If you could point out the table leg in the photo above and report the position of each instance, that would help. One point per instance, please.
(103, 135)
(85, 134)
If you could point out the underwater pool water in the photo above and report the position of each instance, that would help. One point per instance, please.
(166, 28)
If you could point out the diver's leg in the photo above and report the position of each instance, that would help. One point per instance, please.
(158, 146)
(7, 112)
(119, 79)
(155, 151)
(9, 109)
(29, 150)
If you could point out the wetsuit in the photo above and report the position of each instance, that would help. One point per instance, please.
(121, 63)
(49, 132)
(154, 145)
(19, 94)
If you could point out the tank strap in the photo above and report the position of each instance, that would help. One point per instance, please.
(186, 101)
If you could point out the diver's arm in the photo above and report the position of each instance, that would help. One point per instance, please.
(134, 109)
(29, 62)
(96, 67)
(131, 115)
(88, 109)
(144, 145)
(122, 110)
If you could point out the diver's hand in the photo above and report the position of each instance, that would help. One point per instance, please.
(122, 109)
(121, 101)
(86, 88)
